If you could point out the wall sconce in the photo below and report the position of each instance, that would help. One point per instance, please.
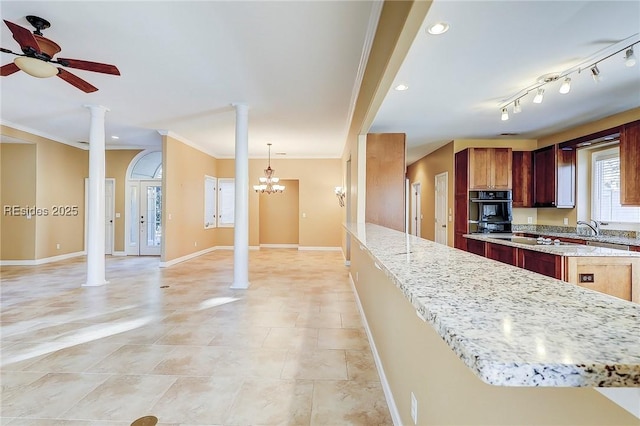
(340, 194)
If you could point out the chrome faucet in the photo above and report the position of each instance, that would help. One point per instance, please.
(595, 227)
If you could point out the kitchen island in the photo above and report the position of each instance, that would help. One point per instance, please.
(543, 342)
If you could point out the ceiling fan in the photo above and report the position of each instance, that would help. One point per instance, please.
(38, 53)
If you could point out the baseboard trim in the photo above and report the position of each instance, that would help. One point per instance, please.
(282, 246)
(35, 262)
(320, 248)
(186, 257)
(388, 395)
(119, 253)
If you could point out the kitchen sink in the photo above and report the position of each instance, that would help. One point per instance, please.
(533, 241)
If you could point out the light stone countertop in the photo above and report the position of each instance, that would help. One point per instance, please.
(568, 250)
(510, 326)
(600, 238)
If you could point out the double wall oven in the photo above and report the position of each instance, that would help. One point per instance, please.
(489, 211)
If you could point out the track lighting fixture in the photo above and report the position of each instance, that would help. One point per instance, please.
(516, 106)
(539, 95)
(595, 73)
(591, 64)
(629, 57)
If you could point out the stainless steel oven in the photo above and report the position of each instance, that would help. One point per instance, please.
(490, 211)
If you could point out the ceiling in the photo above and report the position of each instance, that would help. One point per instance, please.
(298, 66)
(183, 64)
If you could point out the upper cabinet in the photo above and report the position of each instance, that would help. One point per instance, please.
(521, 176)
(630, 164)
(489, 168)
(554, 177)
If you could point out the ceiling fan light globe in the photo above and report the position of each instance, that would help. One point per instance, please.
(35, 67)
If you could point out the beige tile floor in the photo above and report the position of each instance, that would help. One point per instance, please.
(290, 350)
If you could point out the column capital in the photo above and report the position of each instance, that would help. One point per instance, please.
(96, 108)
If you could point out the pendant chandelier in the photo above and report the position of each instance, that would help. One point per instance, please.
(269, 183)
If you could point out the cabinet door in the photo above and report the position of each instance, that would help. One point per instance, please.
(544, 177)
(479, 168)
(502, 253)
(522, 179)
(566, 180)
(542, 263)
(476, 247)
(630, 164)
(500, 175)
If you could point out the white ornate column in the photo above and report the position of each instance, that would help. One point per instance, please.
(241, 212)
(96, 202)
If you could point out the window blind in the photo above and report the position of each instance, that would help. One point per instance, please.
(606, 190)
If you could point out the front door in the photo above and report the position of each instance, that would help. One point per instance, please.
(150, 218)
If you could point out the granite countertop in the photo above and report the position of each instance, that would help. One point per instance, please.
(600, 238)
(510, 326)
(567, 250)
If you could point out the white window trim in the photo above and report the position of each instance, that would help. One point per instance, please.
(210, 197)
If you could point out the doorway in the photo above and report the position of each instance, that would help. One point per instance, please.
(441, 208)
(416, 210)
(109, 213)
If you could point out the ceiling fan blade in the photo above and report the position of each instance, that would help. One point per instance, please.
(76, 81)
(23, 36)
(89, 66)
(8, 69)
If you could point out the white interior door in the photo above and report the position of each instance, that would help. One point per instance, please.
(109, 213)
(150, 218)
(416, 212)
(441, 208)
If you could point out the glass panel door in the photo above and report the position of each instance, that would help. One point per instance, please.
(150, 218)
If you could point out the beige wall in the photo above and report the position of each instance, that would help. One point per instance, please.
(424, 171)
(59, 176)
(279, 215)
(117, 162)
(183, 172)
(18, 188)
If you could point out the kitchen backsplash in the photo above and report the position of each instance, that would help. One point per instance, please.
(572, 230)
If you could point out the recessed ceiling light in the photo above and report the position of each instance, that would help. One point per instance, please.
(401, 87)
(115, 137)
(438, 28)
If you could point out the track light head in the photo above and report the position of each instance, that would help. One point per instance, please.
(629, 58)
(505, 114)
(595, 73)
(516, 106)
(566, 86)
(539, 95)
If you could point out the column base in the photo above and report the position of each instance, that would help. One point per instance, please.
(240, 286)
(95, 284)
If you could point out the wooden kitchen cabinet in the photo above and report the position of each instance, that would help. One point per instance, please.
(522, 179)
(502, 253)
(554, 177)
(489, 168)
(630, 164)
(542, 263)
(476, 247)
(461, 199)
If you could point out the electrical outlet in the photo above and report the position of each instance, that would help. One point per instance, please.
(529, 219)
(565, 221)
(414, 409)
(356, 276)
(586, 278)
(57, 246)
(195, 244)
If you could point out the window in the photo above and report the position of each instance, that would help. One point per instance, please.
(226, 202)
(605, 201)
(210, 192)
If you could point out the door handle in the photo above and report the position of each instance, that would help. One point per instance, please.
(444, 226)
(142, 221)
(111, 221)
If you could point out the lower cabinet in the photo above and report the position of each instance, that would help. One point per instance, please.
(617, 276)
(542, 263)
(502, 253)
